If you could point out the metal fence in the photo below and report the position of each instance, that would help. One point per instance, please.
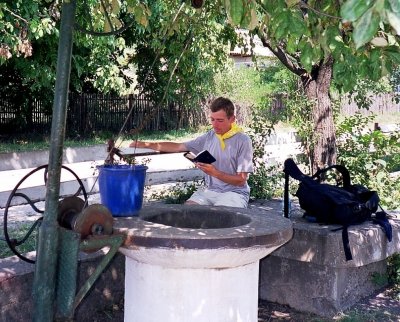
(89, 113)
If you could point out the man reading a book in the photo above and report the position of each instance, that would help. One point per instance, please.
(226, 178)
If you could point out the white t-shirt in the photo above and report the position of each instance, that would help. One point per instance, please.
(236, 157)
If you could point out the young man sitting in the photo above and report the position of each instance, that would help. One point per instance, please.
(226, 178)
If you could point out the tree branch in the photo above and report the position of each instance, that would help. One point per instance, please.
(15, 15)
(304, 4)
(288, 61)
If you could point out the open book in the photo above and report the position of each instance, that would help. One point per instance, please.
(203, 157)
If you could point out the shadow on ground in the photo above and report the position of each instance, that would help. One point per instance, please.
(381, 306)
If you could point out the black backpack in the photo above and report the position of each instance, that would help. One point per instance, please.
(328, 204)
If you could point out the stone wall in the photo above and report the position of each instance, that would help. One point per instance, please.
(310, 272)
(16, 279)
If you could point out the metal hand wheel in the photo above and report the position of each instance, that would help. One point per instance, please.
(19, 237)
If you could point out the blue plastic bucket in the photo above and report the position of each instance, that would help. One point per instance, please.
(121, 188)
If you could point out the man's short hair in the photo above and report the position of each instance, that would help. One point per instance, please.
(222, 103)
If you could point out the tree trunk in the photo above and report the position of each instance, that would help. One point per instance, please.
(323, 148)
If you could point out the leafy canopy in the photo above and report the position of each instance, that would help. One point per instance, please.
(164, 45)
(360, 35)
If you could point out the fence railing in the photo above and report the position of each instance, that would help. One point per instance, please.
(380, 104)
(88, 113)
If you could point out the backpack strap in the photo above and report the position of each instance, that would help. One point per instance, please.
(286, 197)
(346, 244)
(345, 241)
(291, 168)
(343, 171)
(381, 218)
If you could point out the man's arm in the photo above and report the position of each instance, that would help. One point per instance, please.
(238, 179)
(160, 146)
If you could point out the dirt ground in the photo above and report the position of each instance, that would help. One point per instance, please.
(379, 307)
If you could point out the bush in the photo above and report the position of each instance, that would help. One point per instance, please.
(370, 156)
(178, 193)
(265, 180)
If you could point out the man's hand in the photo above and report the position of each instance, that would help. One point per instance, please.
(207, 168)
(238, 179)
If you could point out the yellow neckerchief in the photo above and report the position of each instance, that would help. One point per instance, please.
(234, 129)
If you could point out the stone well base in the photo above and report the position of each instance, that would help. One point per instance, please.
(191, 294)
(196, 263)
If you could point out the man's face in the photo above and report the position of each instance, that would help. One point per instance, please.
(220, 122)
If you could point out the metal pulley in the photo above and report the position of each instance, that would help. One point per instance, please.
(86, 229)
(93, 220)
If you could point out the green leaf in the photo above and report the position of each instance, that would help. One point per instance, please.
(296, 25)
(306, 56)
(393, 53)
(395, 4)
(380, 177)
(365, 28)
(281, 32)
(291, 45)
(280, 24)
(253, 21)
(236, 11)
(354, 9)
(394, 20)
(292, 3)
(381, 162)
(375, 70)
(246, 18)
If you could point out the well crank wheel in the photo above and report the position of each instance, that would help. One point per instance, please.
(20, 237)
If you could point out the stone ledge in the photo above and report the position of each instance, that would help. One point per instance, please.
(33, 159)
(310, 272)
(320, 245)
(67, 188)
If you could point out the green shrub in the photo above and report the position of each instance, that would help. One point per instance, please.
(266, 179)
(370, 156)
(178, 193)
